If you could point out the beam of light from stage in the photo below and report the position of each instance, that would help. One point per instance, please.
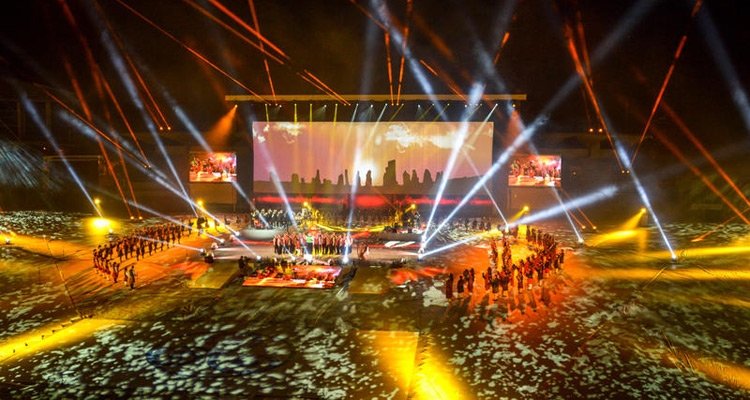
(632, 222)
(458, 142)
(685, 161)
(137, 74)
(95, 129)
(502, 159)
(148, 239)
(234, 31)
(425, 112)
(693, 139)
(587, 85)
(119, 64)
(219, 133)
(84, 105)
(29, 106)
(151, 172)
(591, 224)
(664, 84)
(721, 57)
(188, 124)
(600, 195)
(399, 40)
(188, 48)
(624, 26)
(388, 60)
(119, 153)
(486, 189)
(714, 229)
(280, 188)
(642, 192)
(396, 112)
(260, 43)
(303, 73)
(409, 7)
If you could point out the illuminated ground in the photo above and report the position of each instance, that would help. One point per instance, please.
(613, 326)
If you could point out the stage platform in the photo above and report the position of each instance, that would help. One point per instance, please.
(307, 276)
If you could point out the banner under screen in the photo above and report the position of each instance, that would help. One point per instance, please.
(213, 167)
(383, 158)
(530, 170)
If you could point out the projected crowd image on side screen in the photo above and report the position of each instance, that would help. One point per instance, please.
(384, 158)
(213, 167)
(530, 170)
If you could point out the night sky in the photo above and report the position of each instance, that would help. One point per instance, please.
(338, 43)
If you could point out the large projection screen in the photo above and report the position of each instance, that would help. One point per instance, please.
(535, 171)
(213, 167)
(388, 157)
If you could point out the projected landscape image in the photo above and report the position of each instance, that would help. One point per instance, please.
(392, 158)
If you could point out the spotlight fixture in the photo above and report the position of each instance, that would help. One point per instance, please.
(526, 208)
(132, 217)
(257, 258)
(7, 241)
(643, 210)
(97, 201)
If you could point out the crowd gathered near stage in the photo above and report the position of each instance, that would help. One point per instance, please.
(108, 258)
(314, 243)
(503, 274)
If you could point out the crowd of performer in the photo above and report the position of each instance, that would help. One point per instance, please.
(108, 257)
(503, 274)
(283, 269)
(315, 243)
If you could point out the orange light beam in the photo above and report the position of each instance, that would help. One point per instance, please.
(676, 151)
(122, 114)
(409, 6)
(244, 38)
(98, 78)
(703, 236)
(579, 69)
(686, 131)
(579, 209)
(584, 48)
(60, 102)
(188, 48)
(257, 34)
(265, 60)
(666, 80)
(84, 105)
(578, 221)
(246, 26)
(388, 57)
(235, 32)
(127, 124)
(367, 13)
(428, 67)
(502, 44)
(135, 72)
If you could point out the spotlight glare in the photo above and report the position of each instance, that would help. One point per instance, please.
(643, 210)
(96, 201)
